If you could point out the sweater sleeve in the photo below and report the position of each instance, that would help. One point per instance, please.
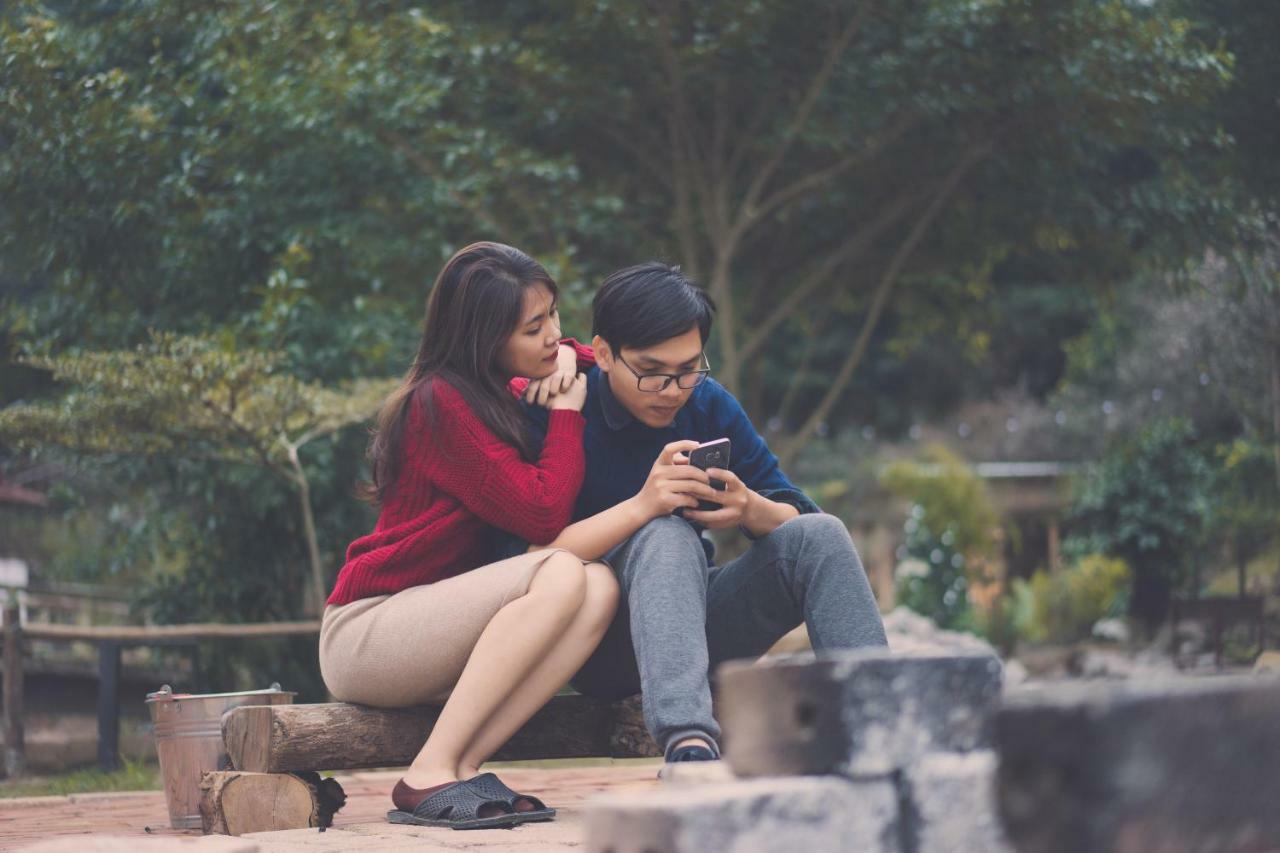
(491, 479)
(586, 360)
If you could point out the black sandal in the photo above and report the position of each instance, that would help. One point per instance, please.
(490, 786)
(457, 807)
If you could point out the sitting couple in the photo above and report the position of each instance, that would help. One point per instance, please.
(611, 586)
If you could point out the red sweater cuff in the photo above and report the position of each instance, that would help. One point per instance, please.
(566, 423)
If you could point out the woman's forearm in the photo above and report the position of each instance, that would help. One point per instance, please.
(592, 538)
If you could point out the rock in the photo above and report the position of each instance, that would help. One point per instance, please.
(854, 713)
(910, 632)
(1015, 674)
(759, 816)
(1176, 764)
(1267, 662)
(1112, 630)
(795, 640)
(952, 804)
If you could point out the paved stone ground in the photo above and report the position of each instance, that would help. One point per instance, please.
(360, 826)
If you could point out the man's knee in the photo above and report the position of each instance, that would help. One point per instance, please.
(817, 529)
(665, 532)
(664, 544)
(817, 542)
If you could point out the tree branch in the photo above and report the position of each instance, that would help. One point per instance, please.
(796, 190)
(878, 301)
(807, 104)
(856, 244)
(642, 156)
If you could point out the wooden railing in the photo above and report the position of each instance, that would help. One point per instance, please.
(109, 641)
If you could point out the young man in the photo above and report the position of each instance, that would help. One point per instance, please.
(681, 614)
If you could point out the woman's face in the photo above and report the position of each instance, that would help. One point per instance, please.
(532, 348)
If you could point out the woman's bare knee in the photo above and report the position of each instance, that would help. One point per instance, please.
(561, 580)
(601, 600)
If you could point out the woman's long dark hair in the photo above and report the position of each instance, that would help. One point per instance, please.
(474, 307)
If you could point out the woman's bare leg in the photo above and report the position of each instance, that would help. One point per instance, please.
(517, 637)
(560, 663)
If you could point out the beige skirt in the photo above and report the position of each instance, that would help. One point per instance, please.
(391, 651)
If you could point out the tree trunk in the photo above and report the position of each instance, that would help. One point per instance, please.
(1275, 409)
(1242, 569)
(1150, 601)
(316, 590)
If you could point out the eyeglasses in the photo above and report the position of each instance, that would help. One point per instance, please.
(652, 383)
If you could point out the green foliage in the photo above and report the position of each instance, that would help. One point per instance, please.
(194, 398)
(1062, 606)
(949, 493)
(165, 164)
(1147, 503)
(949, 530)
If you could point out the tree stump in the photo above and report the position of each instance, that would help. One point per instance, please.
(234, 802)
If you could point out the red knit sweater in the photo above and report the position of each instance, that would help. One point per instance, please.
(453, 485)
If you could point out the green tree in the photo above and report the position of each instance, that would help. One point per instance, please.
(1148, 503)
(195, 398)
(814, 159)
(164, 164)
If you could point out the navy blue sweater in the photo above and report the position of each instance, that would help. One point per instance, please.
(621, 451)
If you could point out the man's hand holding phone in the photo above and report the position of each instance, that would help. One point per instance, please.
(732, 501)
(673, 482)
(725, 500)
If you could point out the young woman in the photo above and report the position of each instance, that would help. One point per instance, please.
(418, 615)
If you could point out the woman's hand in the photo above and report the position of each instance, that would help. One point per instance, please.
(671, 480)
(540, 391)
(574, 397)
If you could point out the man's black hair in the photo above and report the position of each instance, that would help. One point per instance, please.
(647, 304)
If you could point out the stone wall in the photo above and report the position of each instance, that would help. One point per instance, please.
(924, 753)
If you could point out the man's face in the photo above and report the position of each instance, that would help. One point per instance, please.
(674, 355)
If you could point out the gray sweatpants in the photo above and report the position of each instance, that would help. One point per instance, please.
(682, 617)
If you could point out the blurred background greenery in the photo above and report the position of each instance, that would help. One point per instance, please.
(942, 235)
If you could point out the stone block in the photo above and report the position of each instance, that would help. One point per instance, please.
(1176, 764)
(827, 815)
(861, 713)
(949, 804)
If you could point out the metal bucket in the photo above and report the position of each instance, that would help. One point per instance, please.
(188, 730)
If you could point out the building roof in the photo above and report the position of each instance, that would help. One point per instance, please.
(11, 493)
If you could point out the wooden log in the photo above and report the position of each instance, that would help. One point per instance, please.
(233, 802)
(15, 753)
(341, 736)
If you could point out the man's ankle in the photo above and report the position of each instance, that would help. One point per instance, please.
(702, 746)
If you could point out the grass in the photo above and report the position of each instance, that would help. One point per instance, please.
(132, 776)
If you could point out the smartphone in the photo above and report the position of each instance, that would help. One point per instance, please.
(711, 454)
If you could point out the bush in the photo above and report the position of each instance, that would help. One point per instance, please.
(948, 536)
(1062, 606)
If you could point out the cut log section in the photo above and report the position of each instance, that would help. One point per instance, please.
(341, 736)
(233, 802)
